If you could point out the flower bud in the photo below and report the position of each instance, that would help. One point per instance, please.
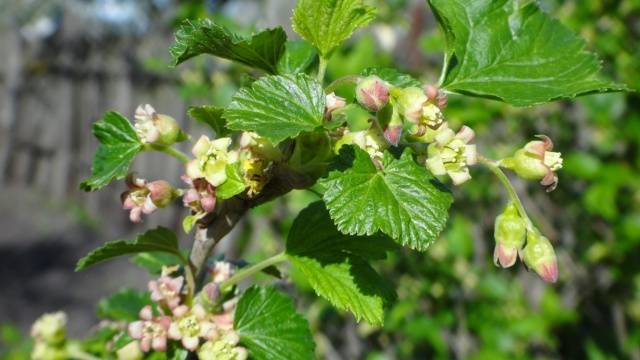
(131, 351)
(536, 161)
(333, 103)
(154, 128)
(161, 193)
(372, 93)
(539, 255)
(212, 292)
(393, 132)
(417, 108)
(509, 232)
(436, 96)
(50, 328)
(410, 102)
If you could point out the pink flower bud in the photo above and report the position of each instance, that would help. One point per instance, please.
(161, 193)
(393, 134)
(436, 96)
(539, 255)
(212, 290)
(509, 232)
(372, 93)
(536, 161)
(208, 203)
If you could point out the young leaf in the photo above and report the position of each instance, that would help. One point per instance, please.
(336, 266)
(403, 200)
(123, 305)
(234, 184)
(392, 76)
(270, 328)
(154, 261)
(159, 240)
(297, 58)
(327, 23)
(211, 116)
(119, 145)
(278, 107)
(356, 117)
(262, 50)
(514, 53)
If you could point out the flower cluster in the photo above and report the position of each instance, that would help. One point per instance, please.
(144, 197)
(417, 112)
(203, 325)
(514, 236)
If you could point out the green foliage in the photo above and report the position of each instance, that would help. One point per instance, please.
(234, 184)
(328, 23)
(278, 107)
(402, 200)
(354, 115)
(515, 53)
(123, 305)
(212, 117)
(262, 50)
(392, 76)
(336, 265)
(158, 240)
(119, 145)
(154, 261)
(297, 58)
(270, 328)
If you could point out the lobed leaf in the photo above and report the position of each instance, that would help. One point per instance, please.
(156, 240)
(336, 266)
(297, 58)
(403, 200)
(278, 107)
(212, 117)
(262, 50)
(328, 23)
(153, 262)
(516, 53)
(119, 145)
(270, 328)
(123, 305)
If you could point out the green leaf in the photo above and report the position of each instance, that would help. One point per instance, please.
(393, 77)
(270, 328)
(515, 53)
(262, 50)
(234, 184)
(123, 305)
(297, 58)
(336, 266)
(211, 116)
(154, 261)
(160, 240)
(278, 107)
(356, 117)
(328, 23)
(189, 221)
(403, 201)
(119, 145)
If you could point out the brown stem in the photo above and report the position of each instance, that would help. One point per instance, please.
(214, 228)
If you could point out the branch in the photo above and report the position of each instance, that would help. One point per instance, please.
(212, 229)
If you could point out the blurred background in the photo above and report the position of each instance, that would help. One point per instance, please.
(65, 62)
